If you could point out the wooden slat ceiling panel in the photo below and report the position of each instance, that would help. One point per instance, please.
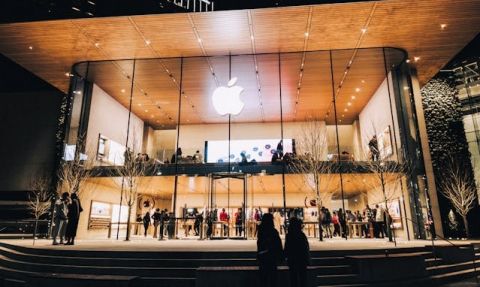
(411, 25)
(283, 29)
(233, 38)
(295, 185)
(171, 35)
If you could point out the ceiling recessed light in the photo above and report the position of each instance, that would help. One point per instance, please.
(251, 37)
(353, 97)
(357, 90)
(345, 110)
(416, 59)
(122, 90)
(364, 30)
(97, 44)
(343, 116)
(363, 81)
(306, 34)
(199, 40)
(349, 104)
(146, 111)
(408, 60)
(443, 26)
(139, 104)
(30, 47)
(148, 42)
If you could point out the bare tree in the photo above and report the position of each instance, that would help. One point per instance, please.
(39, 199)
(459, 189)
(131, 173)
(312, 162)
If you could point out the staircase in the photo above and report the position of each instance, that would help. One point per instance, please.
(23, 266)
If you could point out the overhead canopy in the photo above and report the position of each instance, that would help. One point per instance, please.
(50, 48)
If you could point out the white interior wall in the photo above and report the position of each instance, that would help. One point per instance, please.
(377, 116)
(109, 118)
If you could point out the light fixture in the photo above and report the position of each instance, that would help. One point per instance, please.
(122, 90)
(148, 42)
(349, 104)
(97, 44)
(139, 104)
(306, 34)
(357, 90)
(364, 30)
(407, 61)
(343, 116)
(363, 81)
(443, 26)
(199, 40)
(146, 111)
(30, 47)
(416, 59)
(353, 97)
(251, 37)
(345, 110)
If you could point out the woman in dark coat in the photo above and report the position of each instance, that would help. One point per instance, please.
(269, 251)
(146, 223)
(297, 252)
(74, 209)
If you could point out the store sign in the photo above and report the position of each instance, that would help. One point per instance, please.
(226, 100)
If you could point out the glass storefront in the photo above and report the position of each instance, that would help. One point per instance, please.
(233, 137)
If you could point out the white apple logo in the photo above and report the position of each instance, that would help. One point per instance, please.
(226, 100)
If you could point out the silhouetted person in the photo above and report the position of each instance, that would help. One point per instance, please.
(163, 220)
(373, 146)
(280, 149)
(146, 222)
(156, 221)
(297, 252)
(74, 209)
(60, 218)
(198, 223)
(269, 251)
(171, 226)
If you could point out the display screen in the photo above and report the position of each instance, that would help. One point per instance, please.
(258, 150)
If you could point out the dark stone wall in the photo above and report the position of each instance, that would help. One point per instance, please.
(447, 141)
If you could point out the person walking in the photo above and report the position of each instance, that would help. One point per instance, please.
(74, 210)
(269, 251)
(326, 222)
(336, 225)
(156, 221)
(146, 223)
(297, 252)
(60, 218)
(239, 222)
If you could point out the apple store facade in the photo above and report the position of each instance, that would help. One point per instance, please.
(285, 133)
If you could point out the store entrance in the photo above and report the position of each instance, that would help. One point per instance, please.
(226, 212)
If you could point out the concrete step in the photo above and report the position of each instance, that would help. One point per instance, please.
(335, 279)
(449, 268)
(100, 270)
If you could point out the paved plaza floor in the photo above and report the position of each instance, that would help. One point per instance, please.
(189, 245)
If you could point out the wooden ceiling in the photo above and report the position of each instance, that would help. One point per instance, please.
(295, 184)
(50, 48)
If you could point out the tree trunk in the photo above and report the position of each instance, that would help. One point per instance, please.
(465, 223)
(320, 231)
(127, 238)
(35, 231)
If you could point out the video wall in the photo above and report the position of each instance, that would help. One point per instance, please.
(259, 150)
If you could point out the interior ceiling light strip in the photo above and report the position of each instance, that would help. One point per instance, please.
(302, 63)
(165, 68)
(363, 32)
(255, 62)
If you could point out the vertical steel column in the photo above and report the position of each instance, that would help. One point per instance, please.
(281, 134)
(338, 139)
(126, 146)
(180, 91)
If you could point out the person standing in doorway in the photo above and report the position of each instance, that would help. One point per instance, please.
(163, 220)
(156, 221)
(297, 252)
(224, 220)
(74, 209)
(60, 218)
(146, 223)
(269, 251)
(239, 222)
